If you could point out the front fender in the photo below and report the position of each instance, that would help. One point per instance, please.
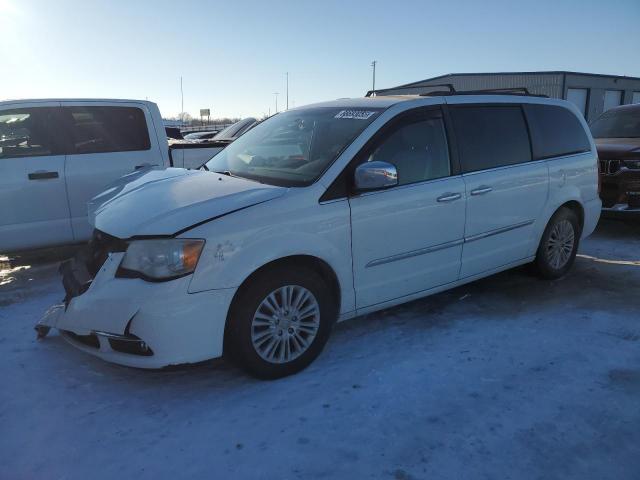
(239, 244)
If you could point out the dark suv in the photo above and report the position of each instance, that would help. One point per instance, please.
(617, 136)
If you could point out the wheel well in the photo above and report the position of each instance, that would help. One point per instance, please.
(576, 208)
(314, 263)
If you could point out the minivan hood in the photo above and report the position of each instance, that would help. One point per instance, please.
(164, 201)
(618, 148)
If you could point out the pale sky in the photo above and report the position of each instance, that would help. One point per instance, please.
(233, 55)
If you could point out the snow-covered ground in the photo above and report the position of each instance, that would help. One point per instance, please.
(509, 377)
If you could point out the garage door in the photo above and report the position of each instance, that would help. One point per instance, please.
(578, 96)
(612, 98)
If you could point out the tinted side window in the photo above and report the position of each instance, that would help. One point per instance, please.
(30, 132)
(490, 136)
(418, 148)
(107, 129)
(555, 131)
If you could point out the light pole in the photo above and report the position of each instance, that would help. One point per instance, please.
(181, 103)
(373, 64)
(276, 94)
(287, 90)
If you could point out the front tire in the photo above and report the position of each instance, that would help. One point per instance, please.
(280, 321)
(559, 245)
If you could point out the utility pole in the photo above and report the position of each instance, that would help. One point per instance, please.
(276, 94)
(181, 103)
(287, 90)
(373, 64)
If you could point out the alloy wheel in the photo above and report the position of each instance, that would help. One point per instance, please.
(560, 244)
(285, 324)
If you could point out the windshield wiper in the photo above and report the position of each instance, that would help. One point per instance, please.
(229, 174)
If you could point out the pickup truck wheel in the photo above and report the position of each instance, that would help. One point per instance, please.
(559, 245)
(280, 321)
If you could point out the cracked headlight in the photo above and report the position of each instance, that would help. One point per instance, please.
(160, 259)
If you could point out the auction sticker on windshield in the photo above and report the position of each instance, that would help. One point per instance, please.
(355, 114)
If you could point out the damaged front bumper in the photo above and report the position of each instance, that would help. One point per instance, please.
(134, 322)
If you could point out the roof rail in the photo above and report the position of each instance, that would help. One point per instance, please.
(524, 91)
(452, 91)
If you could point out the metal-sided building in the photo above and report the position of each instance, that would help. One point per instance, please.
(592, 93)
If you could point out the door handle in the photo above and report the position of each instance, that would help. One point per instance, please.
(481, 190)
(42, 175)
(449, 197)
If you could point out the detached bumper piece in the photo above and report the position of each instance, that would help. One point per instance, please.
(105, 341)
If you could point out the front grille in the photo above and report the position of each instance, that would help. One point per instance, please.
(79, 271)
(88, 340)
(609, 167)
(131, 345)
(633, 199)
(100, 246)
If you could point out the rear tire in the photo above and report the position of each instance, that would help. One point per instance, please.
(559, 245)
(280, 321)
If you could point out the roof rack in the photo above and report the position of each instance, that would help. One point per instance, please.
(524, 91)
(452, 91)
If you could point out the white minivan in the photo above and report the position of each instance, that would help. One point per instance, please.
(323, 213)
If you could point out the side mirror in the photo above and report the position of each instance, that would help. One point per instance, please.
(375, 175)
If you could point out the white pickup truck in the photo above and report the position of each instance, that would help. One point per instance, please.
(55, 155)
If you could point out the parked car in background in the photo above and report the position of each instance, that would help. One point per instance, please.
(617, 136)
(191, 153)
(234, 131)
(55, 155)
(201, 136)
(173, 133)
(322, 213)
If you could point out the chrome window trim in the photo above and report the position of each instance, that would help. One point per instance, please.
(504, 167)
(523, 164)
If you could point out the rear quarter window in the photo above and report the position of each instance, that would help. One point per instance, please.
(107, 129)
(555, 131)
(490, 136)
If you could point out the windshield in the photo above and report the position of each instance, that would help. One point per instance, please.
(623, 123)
(293, 148)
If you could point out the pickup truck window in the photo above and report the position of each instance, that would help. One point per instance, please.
(293, 148)
(107, 129)
(30, 132)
